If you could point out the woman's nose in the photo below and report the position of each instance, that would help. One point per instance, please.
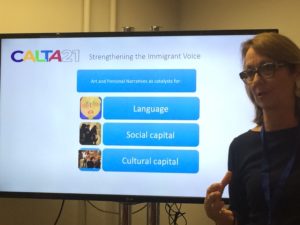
(257, 78)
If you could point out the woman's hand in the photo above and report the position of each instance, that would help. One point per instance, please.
(213, 204)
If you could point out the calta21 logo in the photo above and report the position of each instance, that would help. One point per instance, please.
(66, 55)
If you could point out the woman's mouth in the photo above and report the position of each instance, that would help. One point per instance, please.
(260, 93)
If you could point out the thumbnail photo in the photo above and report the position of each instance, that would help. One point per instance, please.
(89, 159)
(90, 133)
(90, 108)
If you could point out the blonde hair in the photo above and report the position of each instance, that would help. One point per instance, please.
(278, 48)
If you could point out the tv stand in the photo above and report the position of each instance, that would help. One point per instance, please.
(152, 213)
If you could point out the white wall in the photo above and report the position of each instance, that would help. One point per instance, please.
(100, 15)
(19, 16)
(242, 14)
(140, 14)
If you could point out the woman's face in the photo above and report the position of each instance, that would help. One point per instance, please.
(273, 93)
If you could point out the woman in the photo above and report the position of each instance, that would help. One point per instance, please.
(264, 163)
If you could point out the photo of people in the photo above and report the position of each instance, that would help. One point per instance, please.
(89, 159)
(90, 133)
(90, 108)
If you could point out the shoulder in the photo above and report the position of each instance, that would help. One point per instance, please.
(245, 144)
(243, 148)
(245, 138)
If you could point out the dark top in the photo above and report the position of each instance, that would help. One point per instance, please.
(246, 193)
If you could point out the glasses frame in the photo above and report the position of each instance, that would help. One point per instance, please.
(248, 75)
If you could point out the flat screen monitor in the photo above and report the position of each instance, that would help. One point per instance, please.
(121, 116)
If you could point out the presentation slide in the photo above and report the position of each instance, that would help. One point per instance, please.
(129, 115)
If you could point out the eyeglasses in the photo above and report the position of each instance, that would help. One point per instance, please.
(265, 70)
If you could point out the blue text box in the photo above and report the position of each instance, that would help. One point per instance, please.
(150, 108)
(163, 80)
(151, 134)
(160, 161)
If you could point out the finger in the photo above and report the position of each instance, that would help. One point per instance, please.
(213, 197)
(226, 179)
(214, 187)
(213, 203)
(226, 212)
(213, 209)
(218, 205)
